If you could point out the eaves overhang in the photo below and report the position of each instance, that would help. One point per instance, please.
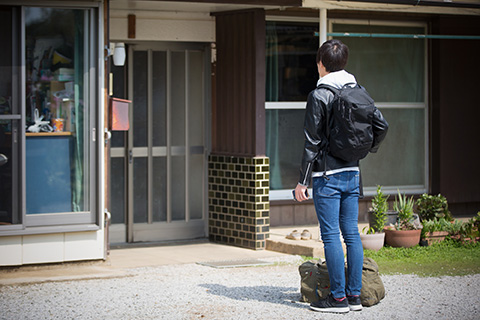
(463, 7)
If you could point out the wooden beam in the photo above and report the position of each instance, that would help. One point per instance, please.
(285, 3)
(131, 26)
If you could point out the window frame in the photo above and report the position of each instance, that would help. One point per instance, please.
(44, 223)
(285, 194)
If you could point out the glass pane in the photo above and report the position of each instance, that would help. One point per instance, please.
(291, 68)
(195, 98)
(159, 98)
(140, 193)
(9, 213)
(6, 59)
(178, 188)
(178, 99)
(9, 129)
(119, 91)
(119, 81)
(49, 182)
(196, 186)
(284, 146)
(140, 99)
(117, 182)
(118, 139)
(391, 69)
(159, 189)
(57, 86)
(400, 161)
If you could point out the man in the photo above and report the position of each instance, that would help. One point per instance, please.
(335, 183)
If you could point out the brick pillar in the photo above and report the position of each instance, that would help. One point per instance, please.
(238, 199)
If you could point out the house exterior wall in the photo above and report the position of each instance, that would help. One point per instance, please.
(453, 110)
(163, 26)
(238, 125)
(239, 110)
(239, 216)
(50, 248)
(455, 113)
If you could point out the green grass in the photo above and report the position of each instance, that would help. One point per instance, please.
(448, 258)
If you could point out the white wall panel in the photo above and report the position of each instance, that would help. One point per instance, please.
(10, 251)
(43, 248)
(83, 246)
(161, 26)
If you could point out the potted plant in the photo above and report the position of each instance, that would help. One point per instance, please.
(470, 230)
(378, 211)
(374, 237)
(433, 206)
(407, 230)
(379, 214)
(372, 240)
(435, 230)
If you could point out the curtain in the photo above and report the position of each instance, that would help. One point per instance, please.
(78, 192)
(272, 89)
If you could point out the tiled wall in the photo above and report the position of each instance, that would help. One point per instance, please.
(238, 198)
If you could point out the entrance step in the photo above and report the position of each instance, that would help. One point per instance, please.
(310, 248)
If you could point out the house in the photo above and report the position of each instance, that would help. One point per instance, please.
(216, 93)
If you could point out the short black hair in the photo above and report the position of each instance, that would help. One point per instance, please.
(333, 54)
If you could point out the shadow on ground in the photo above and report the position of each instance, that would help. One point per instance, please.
(272, 294)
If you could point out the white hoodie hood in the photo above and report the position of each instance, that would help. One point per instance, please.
(337, 79)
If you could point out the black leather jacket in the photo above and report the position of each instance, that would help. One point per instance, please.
(315, 140)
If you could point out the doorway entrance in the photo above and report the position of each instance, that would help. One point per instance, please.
(158, 167)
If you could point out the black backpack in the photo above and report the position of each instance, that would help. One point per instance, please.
(349, 131)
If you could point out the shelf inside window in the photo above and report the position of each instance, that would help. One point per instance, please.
(48, 134)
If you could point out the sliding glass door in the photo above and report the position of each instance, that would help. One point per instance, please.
(10, 117)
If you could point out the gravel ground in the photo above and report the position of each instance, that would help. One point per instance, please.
(199, 292)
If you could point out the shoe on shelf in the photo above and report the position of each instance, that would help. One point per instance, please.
(306, 235)
(330, 304)
(354, 303)
(294, 235)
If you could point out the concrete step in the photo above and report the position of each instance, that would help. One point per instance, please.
(311, 248)
(279, 243)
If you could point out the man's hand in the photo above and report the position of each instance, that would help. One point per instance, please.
(301, 193)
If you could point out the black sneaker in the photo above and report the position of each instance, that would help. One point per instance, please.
(354, 303)
(329, 304)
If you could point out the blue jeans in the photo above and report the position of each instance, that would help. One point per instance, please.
(336, 203)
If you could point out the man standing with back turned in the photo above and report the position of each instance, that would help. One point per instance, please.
(336, 185)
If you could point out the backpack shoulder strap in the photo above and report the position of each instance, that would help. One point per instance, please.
(351, 85)
(328, 87)
(335, 91)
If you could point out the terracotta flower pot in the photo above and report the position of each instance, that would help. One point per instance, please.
(436, 236)
(402, 238)
(373, 241)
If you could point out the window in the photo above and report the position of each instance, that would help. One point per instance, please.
(52, 180)
(393, 71)
(291, 74)
(10, 118)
